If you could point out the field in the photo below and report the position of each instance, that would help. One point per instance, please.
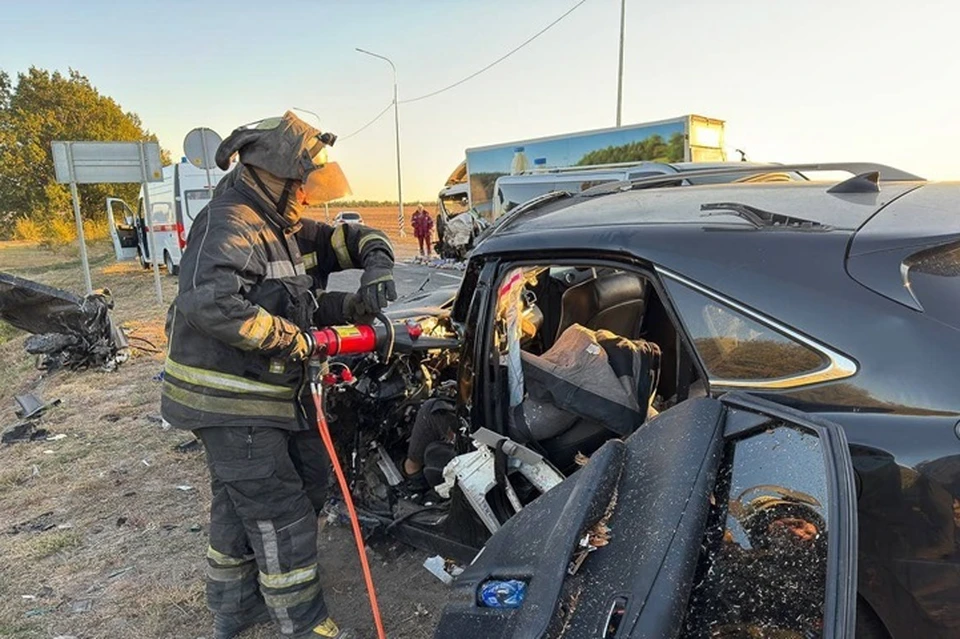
(385, 218)
(102, 533)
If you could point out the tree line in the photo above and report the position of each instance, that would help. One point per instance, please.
(651, 149)
(42, 106)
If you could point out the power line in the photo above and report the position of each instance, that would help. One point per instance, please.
(469, 77)
(370, 123)
(498, 60)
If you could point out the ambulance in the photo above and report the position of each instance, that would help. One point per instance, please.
(174, 205)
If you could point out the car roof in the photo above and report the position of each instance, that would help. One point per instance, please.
(679, 206)
(621, 171)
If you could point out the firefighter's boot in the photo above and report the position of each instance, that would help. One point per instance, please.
(329, 630)
(230, 625)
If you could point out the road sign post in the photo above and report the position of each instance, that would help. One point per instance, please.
(88, 283)
(107, 162)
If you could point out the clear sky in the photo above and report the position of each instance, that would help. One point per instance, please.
(820, 80)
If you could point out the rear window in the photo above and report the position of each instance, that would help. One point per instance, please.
(735, 347)
(934, 276)
(196, 200)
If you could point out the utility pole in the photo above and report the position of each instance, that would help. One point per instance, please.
(396, 124)
(623, 11)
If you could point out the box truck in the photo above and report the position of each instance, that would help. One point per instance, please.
(689, 138)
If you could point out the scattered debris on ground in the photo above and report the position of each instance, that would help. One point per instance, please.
(30, 409)
(31, 406)
(443, 569)
(188, 446)
(439, 263)
(23, 432)
(67, 330)
(40, 523)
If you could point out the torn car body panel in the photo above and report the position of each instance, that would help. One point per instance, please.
(732, 518)
(68, 330)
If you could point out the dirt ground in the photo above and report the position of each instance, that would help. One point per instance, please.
(102, 533)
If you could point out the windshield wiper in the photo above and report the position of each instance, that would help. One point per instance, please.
(762, 219)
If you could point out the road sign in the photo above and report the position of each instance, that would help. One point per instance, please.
(200, 147)
(106, 162)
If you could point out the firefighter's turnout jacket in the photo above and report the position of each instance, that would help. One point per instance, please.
(249, 279)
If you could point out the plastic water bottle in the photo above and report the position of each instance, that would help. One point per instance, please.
(508, 593)
(520, 162)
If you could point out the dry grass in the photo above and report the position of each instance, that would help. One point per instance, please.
(58, 230)
(123, 555)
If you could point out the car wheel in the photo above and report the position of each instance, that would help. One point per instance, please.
(869, 625)
(172, 269)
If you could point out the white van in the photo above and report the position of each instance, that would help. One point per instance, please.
(174, 204)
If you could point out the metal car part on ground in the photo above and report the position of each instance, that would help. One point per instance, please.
(67, 330)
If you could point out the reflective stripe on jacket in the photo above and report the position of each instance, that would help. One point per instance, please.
(245, 290)
(244, 294)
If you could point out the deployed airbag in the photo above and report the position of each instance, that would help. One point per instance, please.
(593, 375)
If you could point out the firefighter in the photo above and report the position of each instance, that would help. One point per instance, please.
(235, 372)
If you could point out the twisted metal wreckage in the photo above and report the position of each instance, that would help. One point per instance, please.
(66, 330)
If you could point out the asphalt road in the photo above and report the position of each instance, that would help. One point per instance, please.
(408, 278)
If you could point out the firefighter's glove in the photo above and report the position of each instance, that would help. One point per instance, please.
(299, 349)
(300, 346)
(355, 310)
(377, 288)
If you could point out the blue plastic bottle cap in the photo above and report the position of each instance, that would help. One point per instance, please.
(508, 593)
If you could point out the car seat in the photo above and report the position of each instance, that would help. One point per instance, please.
(589, 387)
(614, 302)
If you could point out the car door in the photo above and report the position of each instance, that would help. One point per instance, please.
(123, 231)
(143, 237)
(719, 518)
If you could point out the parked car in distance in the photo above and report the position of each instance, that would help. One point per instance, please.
(348, 217)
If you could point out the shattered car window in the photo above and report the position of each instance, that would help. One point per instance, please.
(735, 347)
(763, 567)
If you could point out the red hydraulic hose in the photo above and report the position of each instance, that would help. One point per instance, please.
(324, 429)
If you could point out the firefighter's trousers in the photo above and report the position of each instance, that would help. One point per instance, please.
(263, 525)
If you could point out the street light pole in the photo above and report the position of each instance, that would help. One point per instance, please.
(623, 11)
(396, 124)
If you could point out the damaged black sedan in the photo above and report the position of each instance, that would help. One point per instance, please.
(579, 414)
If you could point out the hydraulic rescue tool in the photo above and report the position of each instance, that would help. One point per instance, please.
(357, 339)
